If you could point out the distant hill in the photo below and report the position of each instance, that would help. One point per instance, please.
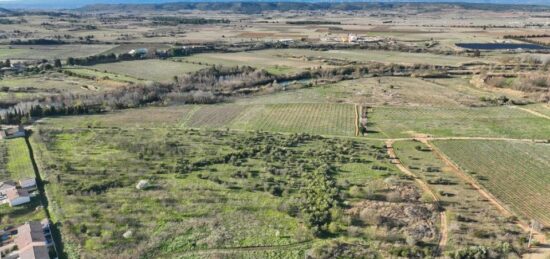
(99, 4)
(258, 6)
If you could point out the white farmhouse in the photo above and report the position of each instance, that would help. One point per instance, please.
(17, 197)
(27, 183)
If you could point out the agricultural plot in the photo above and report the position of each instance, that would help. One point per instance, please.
(326, 119)
(501, 121)
(214, 116)
(240, 189)
(274, 61)
(99, 75)
(19, 87)
(154, 70)
(515, 172)
(19, 162)
(464, 208)
(384, 91)
(50, 52)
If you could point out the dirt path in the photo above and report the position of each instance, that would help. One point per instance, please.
(540, 237)
(426, 188)
(356, 120)
(538, 114)
(244, 249)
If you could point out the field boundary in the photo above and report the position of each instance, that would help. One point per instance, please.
(245, 248)
(481, 190)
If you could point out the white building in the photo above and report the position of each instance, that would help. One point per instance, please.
(27, 183)
(17, 197)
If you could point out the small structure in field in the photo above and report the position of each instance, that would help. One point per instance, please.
(17, 197)
(140, 51)
(142, 185)
(12, 132)
(27, 183)
(31, 241)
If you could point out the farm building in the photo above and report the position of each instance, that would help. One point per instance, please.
(17, 197)
(140, 51)
(27, 183)
(12, 132)
(31, 241)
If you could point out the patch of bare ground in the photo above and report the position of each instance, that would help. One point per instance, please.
(416, 221)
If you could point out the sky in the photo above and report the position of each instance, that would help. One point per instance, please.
(79, 3)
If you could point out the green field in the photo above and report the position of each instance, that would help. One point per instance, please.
(155, 70)
(240, 189)
(464, 209)
(458, 122)
(29, 52)
(19, 163)
(101, 75)
(275, 61)
(387, 91)
(325, 119)
(515, 172)
(52, 83)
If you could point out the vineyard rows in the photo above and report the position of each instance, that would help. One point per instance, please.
(515, 172)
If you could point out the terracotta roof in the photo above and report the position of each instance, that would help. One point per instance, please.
(16, 193)
(29, 233)
(34, 252)
(4, 186)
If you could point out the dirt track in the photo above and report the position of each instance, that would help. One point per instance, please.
(426, 188)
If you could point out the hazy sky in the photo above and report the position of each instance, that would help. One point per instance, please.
(78, 3)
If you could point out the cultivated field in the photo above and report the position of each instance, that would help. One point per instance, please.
(387, 91)
(515, 172)
(31, 52)
(470, 220)
(459, 122)
(155, 70)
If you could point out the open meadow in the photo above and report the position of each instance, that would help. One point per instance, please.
(225, 176)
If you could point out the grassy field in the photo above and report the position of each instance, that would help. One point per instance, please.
(241, 189)
(101, 75)
(19, 163)
(328, 119)
(469, 218)
(299, 59)
(388, 91)
(274, 61)
(125, 48)
(15, 165)
(155, 70)
(30, 52)
(443, 122)
(52, 83)
(515, 172)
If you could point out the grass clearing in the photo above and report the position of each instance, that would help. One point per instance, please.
(87, 72)
(19, 162)
(515, 172)
(155, 70)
